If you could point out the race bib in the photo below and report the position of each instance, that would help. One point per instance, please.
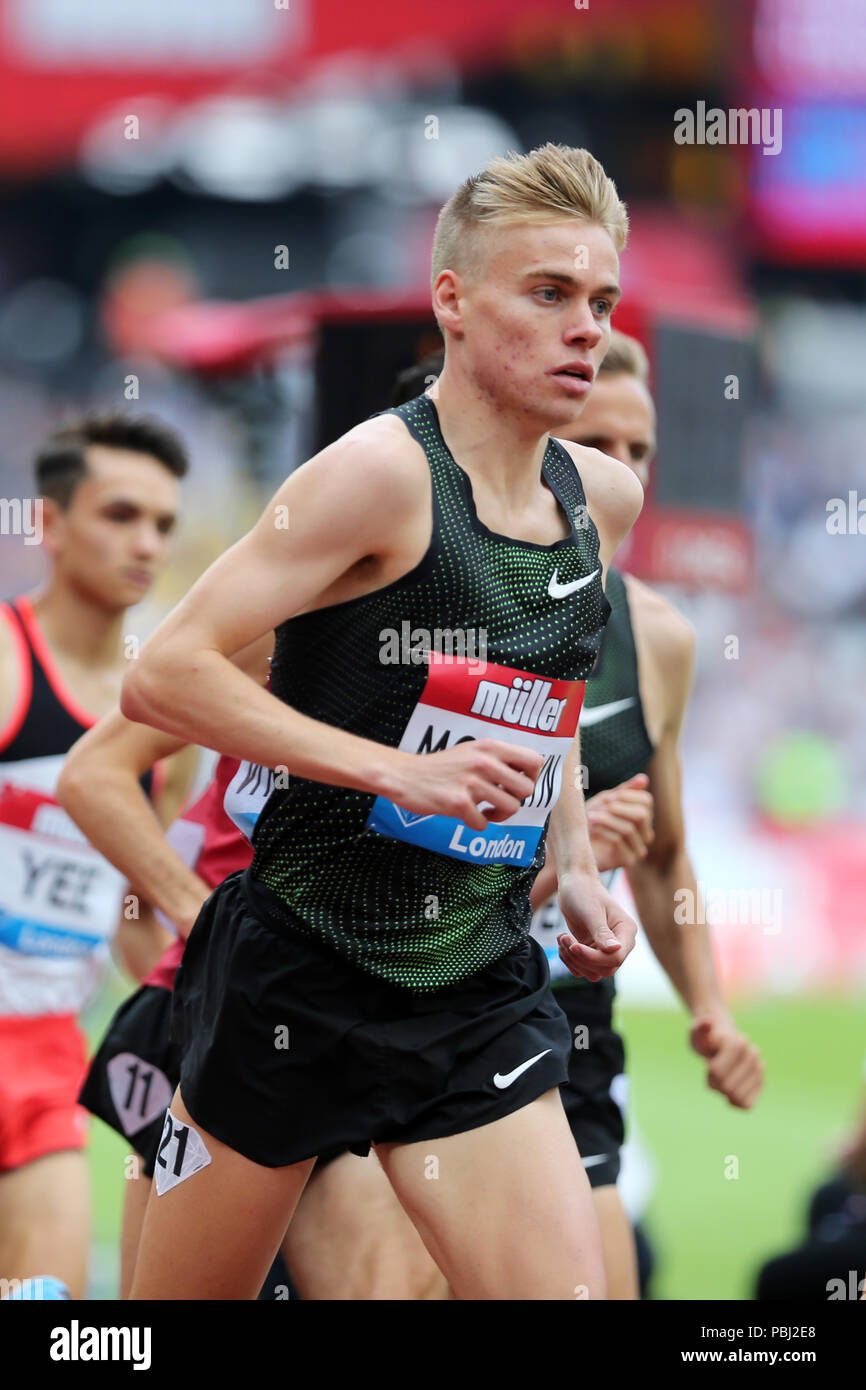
(139, 1090)
(246, 795)
(181, 1153)
(58, 897)
(457, 705)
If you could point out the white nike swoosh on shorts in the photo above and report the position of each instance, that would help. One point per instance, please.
(500, 1082)
(557, 590)
(593, 1159)
(600, 712)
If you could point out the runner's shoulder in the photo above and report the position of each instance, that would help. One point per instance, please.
(611, 487)
(377, 458)
(9, 673)
(666, 644)
(664, 626)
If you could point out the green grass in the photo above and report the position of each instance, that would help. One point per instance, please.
(710, 1232)
(108, 1152)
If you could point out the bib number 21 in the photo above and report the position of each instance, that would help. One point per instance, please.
(181, 1153)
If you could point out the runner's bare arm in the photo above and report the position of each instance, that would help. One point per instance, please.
(620, 827)
(684, 949)
(351, 504)
(614, 496)
(177, 776)
(667, 641)
(9, 673)
(139, 942)
(602, 934)
(100, 789)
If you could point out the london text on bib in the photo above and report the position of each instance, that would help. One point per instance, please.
(458, 704)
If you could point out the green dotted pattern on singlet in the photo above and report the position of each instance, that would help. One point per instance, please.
(363, 894)
(615, 746)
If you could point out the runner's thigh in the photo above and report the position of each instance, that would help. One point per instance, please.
(505, 1209)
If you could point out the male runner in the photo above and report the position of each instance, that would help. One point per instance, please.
(383, 920)
(630, 724)
(350, 1238)
(641, 682)
(109, 492)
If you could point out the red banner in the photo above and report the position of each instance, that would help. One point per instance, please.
(703, 550)
(64, 63)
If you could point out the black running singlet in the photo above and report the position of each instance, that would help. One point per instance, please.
(47, 719)
(614, 742)
(423, 901)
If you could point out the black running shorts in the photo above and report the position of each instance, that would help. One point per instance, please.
(135, 1072)
(289, 1051)
(597, 1059)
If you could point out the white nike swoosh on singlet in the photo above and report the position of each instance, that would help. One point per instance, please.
(593, 1159)
(557, 590)
(500, 1082)
(600, 712)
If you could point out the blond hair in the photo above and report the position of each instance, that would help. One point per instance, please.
(551, 182)
(625, 354)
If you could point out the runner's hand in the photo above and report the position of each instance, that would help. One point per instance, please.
(476, 782)
(602, 931)
(736, 1067)
(620, 823)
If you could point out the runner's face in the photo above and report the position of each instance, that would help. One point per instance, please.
(113, 539)
(542, 303)
(619, 419)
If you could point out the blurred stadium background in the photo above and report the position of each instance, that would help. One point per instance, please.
(220, 211)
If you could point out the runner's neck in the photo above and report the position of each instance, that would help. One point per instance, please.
(502, 451)
(78, 628)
